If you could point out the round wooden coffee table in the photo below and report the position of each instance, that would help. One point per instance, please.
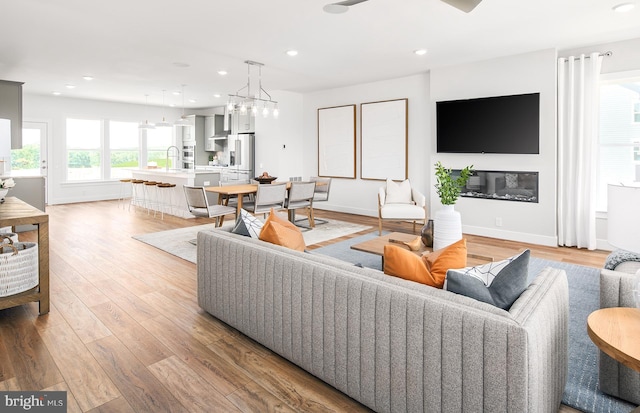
(616, 331)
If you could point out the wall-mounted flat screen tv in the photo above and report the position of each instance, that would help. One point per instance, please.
(501, 124)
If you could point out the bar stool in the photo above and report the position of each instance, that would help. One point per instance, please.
(151, 196)
(124, 185)
(137, 193)
(164, 192)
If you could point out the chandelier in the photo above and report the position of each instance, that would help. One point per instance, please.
(243, 100)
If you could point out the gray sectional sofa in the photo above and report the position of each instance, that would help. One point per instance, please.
(393, 345)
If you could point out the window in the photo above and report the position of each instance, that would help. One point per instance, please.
(619, 137)
(158, 140)
(84, 149)
(27, 160)
(123, 145)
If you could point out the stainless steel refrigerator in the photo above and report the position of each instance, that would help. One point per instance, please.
(241, 157)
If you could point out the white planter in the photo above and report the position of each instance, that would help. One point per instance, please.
(447, 227)
(3, 193)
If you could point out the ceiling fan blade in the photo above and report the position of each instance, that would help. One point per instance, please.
(464, 5)
(351, 2)
(341, 7)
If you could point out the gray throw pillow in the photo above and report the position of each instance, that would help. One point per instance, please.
(497, 283)
(247, 225)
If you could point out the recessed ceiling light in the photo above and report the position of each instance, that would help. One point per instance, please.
(192, 101)
(172, 105)
(70, 86)
(624, 7)
(176, 93)
(181, 64)
(87, 77)
(292, 52)
(56, 93)
(216, 95)
(222, 72)
(420, 52)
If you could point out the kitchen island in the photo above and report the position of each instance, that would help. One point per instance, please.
(179, 177)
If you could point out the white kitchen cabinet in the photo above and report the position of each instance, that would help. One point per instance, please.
(243, 123)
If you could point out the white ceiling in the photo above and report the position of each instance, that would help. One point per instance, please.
(131, 46)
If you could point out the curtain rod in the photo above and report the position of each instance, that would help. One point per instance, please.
(604, 54)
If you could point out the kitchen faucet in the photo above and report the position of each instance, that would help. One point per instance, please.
(177, 155)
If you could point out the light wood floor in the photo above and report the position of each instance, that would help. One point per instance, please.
(125, 333)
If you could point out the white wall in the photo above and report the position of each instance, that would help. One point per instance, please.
(280, 147)
(356, 195)
(54, 110)
(526, 73)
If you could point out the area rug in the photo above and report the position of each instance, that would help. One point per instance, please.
(181, 242)
(581, 391)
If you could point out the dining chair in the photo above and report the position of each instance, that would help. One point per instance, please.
(321, 193)
(200, 207)
(301, 196)
(267, 196)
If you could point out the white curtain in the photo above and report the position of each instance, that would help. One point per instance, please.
(578, 113)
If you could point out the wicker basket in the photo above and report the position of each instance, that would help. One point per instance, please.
(18, 266)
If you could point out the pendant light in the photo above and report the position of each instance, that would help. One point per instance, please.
(183, 121)
(146, 124)
(164, 123)
(250, 100)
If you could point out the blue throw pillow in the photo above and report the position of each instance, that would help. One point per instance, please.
(497, 283)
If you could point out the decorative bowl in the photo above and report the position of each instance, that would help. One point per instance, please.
(3, 193)
(265, 179)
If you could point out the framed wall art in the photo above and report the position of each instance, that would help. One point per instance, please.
(384, 140)
(337, 142)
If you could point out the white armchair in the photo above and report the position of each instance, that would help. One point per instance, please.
(401, 202)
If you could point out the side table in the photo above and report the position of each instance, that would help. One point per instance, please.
(14, 211)
(616, 331)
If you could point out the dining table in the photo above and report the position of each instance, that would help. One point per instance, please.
(224, 192)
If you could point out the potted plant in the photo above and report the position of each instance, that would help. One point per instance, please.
(448, 187)
(448, 223)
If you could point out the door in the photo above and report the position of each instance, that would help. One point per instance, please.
(31, 160)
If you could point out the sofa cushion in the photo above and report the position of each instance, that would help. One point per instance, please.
(498, 283)
(430, 269)
(398, 193)
(247, 225)
(279, 231)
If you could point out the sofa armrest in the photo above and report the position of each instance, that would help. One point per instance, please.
(543, 310)
(382, 196)
(614, 378)
(616, 289)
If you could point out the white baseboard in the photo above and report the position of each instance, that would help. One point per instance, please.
(550, 241)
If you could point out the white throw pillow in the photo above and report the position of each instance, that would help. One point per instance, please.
(398, 193)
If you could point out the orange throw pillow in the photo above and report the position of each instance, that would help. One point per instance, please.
(282, 232)
(451, 256)
(400, 262)
(430, 269)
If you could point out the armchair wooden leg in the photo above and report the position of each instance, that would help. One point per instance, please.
(379, 226)
(414, 227)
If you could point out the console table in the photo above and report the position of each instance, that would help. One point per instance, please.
(14, 211)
